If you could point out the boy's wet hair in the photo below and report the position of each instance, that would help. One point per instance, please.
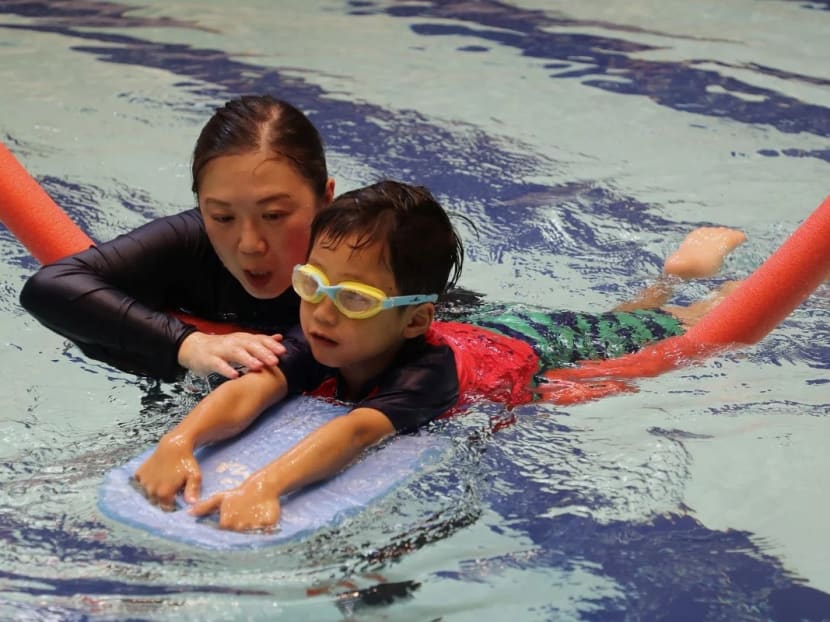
(422, 246)
(253, 122)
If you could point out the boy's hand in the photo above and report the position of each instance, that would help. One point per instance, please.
(171, 467)
(249, 506)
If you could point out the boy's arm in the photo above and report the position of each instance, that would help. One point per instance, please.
(225, 412)
(254, 504)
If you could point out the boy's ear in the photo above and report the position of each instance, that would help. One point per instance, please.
(420, 319)
(328, 197)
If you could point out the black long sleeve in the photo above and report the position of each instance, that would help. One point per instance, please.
(112, 299)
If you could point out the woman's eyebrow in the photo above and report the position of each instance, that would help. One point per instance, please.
(216, 202)
(271, 198)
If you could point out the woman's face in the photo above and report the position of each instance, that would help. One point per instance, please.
(258, 212)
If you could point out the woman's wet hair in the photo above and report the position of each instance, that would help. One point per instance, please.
(253, 122)
(423, 248)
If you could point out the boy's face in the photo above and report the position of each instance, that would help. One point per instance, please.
(359, 348)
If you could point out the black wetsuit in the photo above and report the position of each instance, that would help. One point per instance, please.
(111, 299)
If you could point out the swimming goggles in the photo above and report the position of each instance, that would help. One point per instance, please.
(356, 301)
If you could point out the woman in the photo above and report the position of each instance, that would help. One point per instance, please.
(259, 174)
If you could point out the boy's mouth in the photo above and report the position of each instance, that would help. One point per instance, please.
(321, 339)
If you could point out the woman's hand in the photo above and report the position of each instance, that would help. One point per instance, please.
(251, 505)
(203, 354)
(171, 467)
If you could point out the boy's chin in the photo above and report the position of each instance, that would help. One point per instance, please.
(326, 357)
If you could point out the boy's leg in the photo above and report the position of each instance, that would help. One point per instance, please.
(692, 314)
(700, 255)
(652, 297)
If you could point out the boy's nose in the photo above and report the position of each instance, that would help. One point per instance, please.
(325, 312)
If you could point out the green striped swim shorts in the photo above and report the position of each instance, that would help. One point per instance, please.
(561, 338)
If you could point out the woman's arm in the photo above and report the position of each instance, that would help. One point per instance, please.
(254, 504)
(111, 298)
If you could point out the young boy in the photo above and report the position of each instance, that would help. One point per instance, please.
(379, 258)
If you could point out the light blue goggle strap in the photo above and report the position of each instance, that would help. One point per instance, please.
(400, 301)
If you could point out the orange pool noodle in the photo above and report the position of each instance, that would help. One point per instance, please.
(744, 317)
(33, 217)
(751, 311)
(777, 287)
(47, 232)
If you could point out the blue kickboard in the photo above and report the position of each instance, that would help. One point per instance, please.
(224, 465)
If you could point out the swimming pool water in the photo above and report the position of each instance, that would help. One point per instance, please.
(584, 140)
